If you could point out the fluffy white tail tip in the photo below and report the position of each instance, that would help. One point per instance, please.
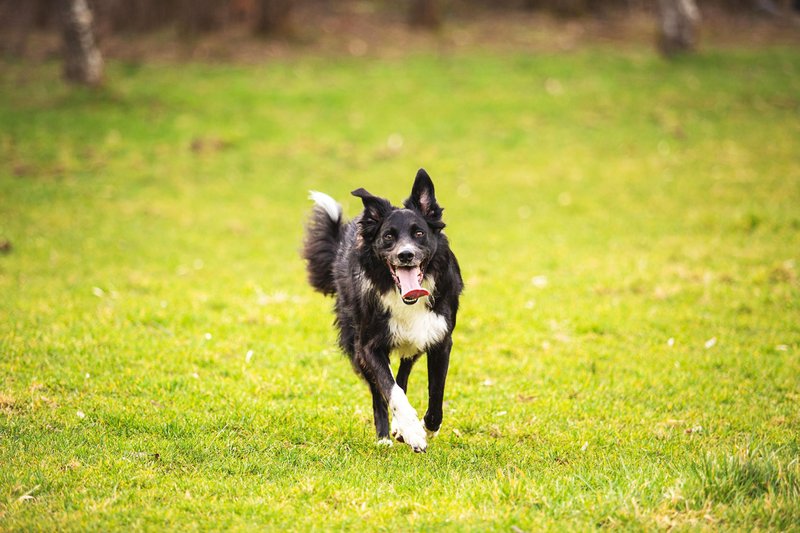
(327, 203)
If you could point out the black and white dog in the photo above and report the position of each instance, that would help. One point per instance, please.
(397, 285)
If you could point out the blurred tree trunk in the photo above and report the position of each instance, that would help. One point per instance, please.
(425, 14)
(272, 16)
(82, 60)
(678, 21)
(200, 16)
(768, 7)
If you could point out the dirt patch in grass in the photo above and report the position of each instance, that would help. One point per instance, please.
(7, 403)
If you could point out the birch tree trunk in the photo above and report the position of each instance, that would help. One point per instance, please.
(678, 21)
(83, 63)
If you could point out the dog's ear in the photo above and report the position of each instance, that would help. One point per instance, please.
(423, 199)
(375, 208)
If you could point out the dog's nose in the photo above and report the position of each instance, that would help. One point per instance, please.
(406, 256)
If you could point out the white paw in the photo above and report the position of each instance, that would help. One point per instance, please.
(410, 432)
(385, 442)
(406, 427)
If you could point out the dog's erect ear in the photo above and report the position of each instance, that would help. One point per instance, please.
(423, 199)
(375, 208)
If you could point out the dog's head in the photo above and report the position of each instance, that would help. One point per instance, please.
(405, 239)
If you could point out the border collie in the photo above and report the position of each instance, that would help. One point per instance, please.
(396, 284)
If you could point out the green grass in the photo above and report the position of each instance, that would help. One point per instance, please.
(628, 348)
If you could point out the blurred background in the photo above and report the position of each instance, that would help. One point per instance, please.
(621, 183)
(254, 30)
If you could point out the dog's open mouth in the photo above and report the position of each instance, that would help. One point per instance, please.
(409, 282)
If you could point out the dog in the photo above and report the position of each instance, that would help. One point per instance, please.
(397, 286)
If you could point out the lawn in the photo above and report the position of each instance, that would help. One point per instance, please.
(628, 347)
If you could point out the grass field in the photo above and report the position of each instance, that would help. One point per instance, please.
(628, 348)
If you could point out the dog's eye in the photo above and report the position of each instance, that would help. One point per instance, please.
(388, 237)
(419, 234)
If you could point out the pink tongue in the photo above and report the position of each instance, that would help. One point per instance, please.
(409, 283)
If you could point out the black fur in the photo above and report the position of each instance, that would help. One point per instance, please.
(355, 261)
(322, 242)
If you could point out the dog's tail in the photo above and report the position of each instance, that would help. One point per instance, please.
(323, 234)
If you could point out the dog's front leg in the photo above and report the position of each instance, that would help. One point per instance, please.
(381, 415)
(406, 426)
(438, 362)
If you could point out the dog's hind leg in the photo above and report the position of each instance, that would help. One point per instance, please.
(438, 362)
(380, 412)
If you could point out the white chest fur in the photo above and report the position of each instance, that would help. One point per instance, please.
(413, 328)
